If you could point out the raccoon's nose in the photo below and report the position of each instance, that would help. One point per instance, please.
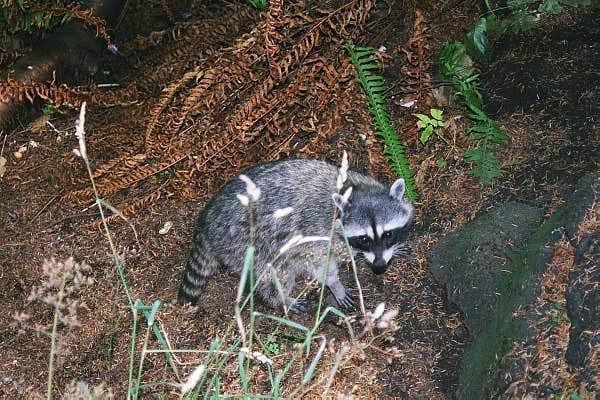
(379, 266)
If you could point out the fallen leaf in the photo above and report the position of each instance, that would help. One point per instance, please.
(166, 228)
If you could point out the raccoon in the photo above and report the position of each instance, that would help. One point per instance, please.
(291, 224)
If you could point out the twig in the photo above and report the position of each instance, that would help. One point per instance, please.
(44, 208)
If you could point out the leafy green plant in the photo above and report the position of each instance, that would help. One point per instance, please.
(455, 64)
(454, 61)
(51, 110)
(363, 59)
(18, 18)
(259, 4)
(557, 6)
(272, 345)
(520, 17)
(429, 124)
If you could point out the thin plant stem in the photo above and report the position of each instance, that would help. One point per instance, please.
(116, 260)
(132, 353)
(247, 274)
(53, 337)
(327, 262)
(142, 357)
(354, 272)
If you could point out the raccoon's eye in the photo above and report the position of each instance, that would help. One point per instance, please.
(360, 242)
(387, 235)
(364, 239)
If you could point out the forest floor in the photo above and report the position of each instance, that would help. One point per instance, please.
(542, 87)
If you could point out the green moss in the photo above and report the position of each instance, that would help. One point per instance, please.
(518, 286)
(480, 362)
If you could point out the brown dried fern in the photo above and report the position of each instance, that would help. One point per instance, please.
(418, 62)
(248, 114)
(273, 37)
(234, 107)
(88, 18)
(8, 56)
(166, 98)
(59, 95)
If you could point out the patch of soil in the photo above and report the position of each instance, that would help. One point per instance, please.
(544, 86)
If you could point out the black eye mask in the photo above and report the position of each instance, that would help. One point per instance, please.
(389, 238)
(362, 242)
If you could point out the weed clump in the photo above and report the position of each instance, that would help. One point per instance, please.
(61, 282)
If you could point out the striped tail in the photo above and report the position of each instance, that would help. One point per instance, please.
(200, 266)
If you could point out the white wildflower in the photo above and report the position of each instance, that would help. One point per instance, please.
(387, 319)
(343, 174)
(243, 199)
(290, 243)
(282, 212)
(346, 195)
(80, 132)
(166, 228)
(262, 358)
(300, 239)
(252, 190)
(379, 310)
(193, 379)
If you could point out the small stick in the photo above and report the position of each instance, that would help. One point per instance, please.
(43, 208)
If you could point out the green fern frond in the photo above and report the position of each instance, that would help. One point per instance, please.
(486, 132)
(487, 168)
(363, 59)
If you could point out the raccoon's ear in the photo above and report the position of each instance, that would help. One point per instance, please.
(397, 189)
(341, 201)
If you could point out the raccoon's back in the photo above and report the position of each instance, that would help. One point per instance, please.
(295, 199)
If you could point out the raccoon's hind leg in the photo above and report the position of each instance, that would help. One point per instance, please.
(199, 267)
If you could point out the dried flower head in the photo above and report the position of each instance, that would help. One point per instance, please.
(301, 239)
(60, 282)
(193, 379)
(343, 174)
(282, 212)
(81, 390)
(382, 320)
(251, 188)
(80, 132)
(243, 199)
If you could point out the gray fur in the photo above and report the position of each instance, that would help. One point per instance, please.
(223, 229)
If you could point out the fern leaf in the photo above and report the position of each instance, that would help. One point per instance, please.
(363, 60)
(487, 167)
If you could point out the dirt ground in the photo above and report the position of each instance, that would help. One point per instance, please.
(543, 88)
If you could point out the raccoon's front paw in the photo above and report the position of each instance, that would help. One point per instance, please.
(347, 301)
(299, 306)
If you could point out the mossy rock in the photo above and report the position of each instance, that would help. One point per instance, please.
(491, 268)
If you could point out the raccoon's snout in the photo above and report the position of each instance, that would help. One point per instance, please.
(377, 262)
(379, 266)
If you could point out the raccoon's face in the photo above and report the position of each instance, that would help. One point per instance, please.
(376, 224)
